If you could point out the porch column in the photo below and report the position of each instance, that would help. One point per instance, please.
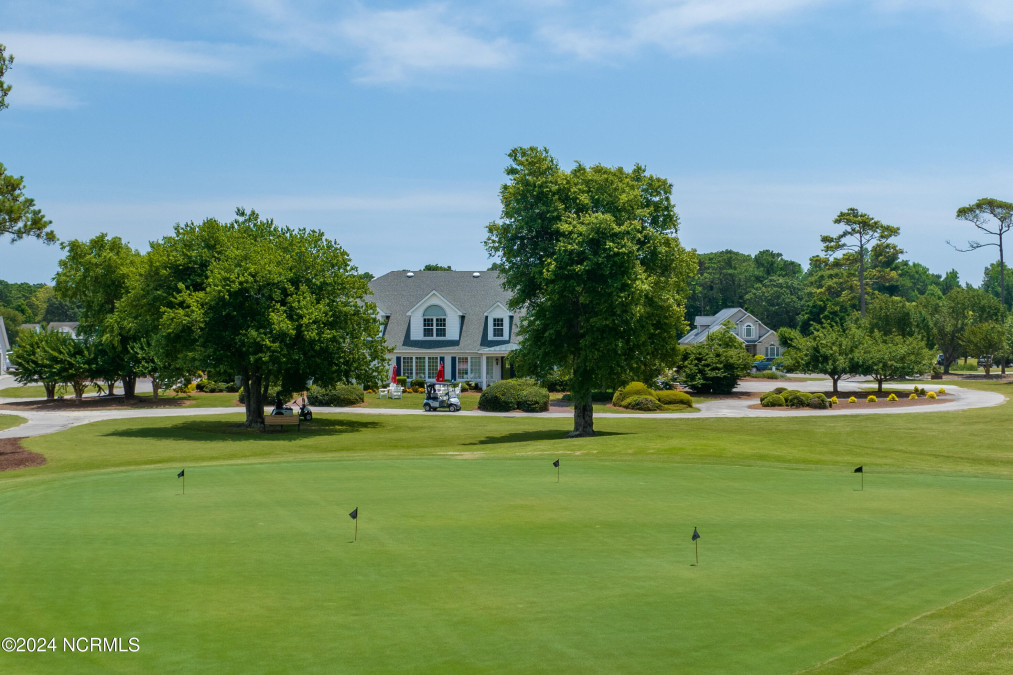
(483, 370)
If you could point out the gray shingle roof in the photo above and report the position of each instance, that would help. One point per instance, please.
(705, 325)
(395, 293)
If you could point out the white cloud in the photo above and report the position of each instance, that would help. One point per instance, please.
(49, 50)
(26, 91)
(396, 44)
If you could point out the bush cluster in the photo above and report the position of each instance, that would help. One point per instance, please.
(931, 394)
(852, 400)
(913, 396)
(891, 397)
(871, 399)
(793, 398)
(419, 383)
(517, 394)
(638, 396)
(339, 396)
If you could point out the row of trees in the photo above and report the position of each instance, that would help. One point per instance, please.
(275, 306)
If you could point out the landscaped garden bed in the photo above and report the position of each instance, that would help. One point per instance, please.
(782, 398)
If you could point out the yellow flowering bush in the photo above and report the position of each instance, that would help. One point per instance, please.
(942, 390)
(913, 396)
(852, 400)
(931, 394)
(833, 399)
(891, 397)
(871, 399)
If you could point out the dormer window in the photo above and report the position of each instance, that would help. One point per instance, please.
(747, 330)
(497, 327)
(434, 322)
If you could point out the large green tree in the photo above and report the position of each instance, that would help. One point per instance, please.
(97, 275)
(778, 301)
(999, 282)
(861, 233)
(950, 315)
(592, 257)
(269, 303)
(993, 217)
(715, 365)
(830, 350)
(889, 357)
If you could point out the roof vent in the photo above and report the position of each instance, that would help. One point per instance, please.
(476, 275)
(410, 275)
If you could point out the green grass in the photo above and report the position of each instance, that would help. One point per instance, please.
(471, 556)
(8, 421)
(197, 399)
(38, 391)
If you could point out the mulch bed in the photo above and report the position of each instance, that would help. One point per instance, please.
(862, 404)
(13, 456)
(96, 403)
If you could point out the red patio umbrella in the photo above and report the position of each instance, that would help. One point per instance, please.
(393, 375)
(439, 373)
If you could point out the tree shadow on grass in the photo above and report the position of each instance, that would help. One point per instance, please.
(530, 436)
(216, 431)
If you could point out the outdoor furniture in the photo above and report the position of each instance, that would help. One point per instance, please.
(281, 421)
(395, 391)
(383, 392)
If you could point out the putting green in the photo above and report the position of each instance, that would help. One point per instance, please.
(487, 564)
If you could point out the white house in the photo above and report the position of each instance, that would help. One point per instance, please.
(5, 348)
(458, 319)
(758, 338)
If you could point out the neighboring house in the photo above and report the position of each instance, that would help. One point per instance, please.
(459, 319)
(5, 348)
(69, 327)
(758, 338)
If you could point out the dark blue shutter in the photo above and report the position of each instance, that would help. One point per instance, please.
(397, 362)
(453, 369)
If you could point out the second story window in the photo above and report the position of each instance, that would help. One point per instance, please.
(497, 327)
(434, 322)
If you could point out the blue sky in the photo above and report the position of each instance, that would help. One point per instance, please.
(386, 124)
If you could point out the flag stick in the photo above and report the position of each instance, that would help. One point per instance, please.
(184, 482)
(557, 473)
(863, 482)
(356, 537)
(697, 552)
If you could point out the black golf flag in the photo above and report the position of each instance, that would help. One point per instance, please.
(354, 515)
(180, 474)
(696, 535)
(859, 470)
(556, 464)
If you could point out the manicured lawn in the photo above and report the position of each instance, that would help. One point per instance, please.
(199, 399)
(469, 401)
(8, 421)
(38, 391)
(471, 557)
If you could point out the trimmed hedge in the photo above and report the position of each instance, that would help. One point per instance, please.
(772, 401)
(644, 403)
(632, 390)
(517, 394)
(819, 402)
(339, 396)
(672, 397)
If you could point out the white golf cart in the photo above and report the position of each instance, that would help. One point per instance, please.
(442, 395)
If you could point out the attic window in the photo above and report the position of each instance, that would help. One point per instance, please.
(747, 330)
(434, 322)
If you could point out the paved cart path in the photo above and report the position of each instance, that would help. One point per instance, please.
(47, 422)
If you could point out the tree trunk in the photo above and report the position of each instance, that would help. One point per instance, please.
(110, 387)
(879, 383)
(861, 281)
(583, 417)
(154, 386)
(253, 394)
(50, 388)
(835, 379)
(79, 387)
(129, 385)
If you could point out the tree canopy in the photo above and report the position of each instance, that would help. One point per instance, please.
(591, 255)
(269, 303)
(861, 233)
(994, 217)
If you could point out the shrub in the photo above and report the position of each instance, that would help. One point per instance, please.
(769, 375)
(772, 401)
(419, 383)
(633, 389)
(913, 396)
(402, 382)
(232, 387)
(200, 384)
(852, 400)
(833, 400)
(871, 399)
(942, 390)
(555, 382)
(891, 397)
(931, 394)
(796, 399)
(464, 387)
(507, 395)
(819, 402)
(715, 365)
(214, 387)
(778, 390)
(339, 396)
(641, 403)
(675, 398)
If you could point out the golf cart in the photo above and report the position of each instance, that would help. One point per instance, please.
(442, 395)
